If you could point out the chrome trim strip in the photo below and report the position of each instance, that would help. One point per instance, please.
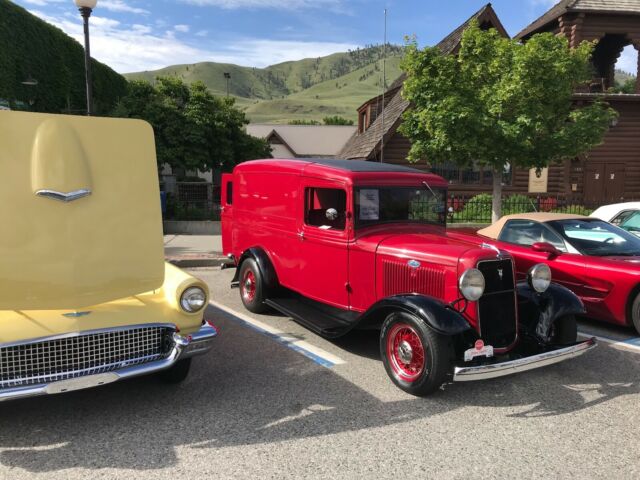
(197, 343)
(64, 197)
(495, 370)
(88, 332)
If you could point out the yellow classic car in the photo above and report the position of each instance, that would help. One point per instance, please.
(86, 298)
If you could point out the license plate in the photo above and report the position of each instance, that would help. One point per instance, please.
(485, 351)
(81, 383)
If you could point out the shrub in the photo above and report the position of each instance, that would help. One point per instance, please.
(517, 204)
(574, 210)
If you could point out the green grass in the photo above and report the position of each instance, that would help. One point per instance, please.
(308, 89)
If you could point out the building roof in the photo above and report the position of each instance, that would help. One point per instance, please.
(493, 231)
(306, 140)
(567, 6)
(362, 145)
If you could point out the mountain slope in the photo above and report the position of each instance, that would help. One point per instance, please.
(307, 89)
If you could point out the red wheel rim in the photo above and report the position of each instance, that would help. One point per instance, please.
(405, 352)
(248, 286)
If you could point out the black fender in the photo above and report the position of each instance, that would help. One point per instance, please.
(539, 311)
(437, 315)
(263, 261)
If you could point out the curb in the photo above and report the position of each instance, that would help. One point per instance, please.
(195, 262)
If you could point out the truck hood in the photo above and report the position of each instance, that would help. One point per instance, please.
(429, 246)
(80, 211)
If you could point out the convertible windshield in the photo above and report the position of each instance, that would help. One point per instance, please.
(632, 223)
(597, 238)
(375, 205)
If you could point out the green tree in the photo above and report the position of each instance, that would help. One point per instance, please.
(501, 102)
(194, 130)
(304, 122)
(629, 86)
(336, 120)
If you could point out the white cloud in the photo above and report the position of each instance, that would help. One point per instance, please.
(119, 6)
(181, 28)
(135, 48)
(42, 3)
(202, 33)
(271, 4)
(543, 3)
(628, 61)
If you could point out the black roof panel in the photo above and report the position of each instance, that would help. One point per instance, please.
(361, 165)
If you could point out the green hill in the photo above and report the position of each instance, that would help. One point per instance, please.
(32, 49)
(308, 89)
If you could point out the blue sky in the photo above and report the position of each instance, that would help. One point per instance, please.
(133, 35)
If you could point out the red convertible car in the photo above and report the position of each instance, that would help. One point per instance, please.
(598, 261)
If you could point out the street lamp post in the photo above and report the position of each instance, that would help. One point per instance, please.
(227, 76)
(86, 7)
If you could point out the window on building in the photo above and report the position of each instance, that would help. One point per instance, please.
(362, 121)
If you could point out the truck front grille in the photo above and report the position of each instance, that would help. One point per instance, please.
(497, 316)
(79, 355)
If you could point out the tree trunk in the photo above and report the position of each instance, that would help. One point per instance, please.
(496, 204)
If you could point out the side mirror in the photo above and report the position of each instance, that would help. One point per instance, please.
(331, 214)
(544, 247)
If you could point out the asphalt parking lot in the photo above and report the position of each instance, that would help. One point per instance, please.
(273, 400)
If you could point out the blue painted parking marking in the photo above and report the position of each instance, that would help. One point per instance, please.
(316, 354)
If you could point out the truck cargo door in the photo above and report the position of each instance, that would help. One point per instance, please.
(226, 212)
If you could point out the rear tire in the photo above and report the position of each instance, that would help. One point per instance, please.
(565, 331)
(416, 358)
(252, 288)
(178, 373)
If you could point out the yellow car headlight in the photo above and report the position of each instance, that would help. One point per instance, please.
(193, 299)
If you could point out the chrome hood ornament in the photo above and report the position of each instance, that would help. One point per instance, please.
(64, 197)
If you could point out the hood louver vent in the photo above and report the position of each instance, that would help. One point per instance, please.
(400, 278)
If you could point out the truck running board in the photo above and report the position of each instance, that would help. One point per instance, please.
(325, 320)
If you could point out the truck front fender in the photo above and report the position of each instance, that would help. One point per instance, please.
(435, 314)
(539, 311)
(269, 275)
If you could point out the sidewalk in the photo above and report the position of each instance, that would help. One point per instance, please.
(188, 251)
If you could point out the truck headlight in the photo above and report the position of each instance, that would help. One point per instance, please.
(471, 284)
(193, 299)
(540, 277)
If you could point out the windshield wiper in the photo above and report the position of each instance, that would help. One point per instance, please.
(424, 182)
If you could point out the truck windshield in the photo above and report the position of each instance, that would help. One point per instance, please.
(376, 205)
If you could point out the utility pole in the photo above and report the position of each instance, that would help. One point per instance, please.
(227, 76)
(384, 84)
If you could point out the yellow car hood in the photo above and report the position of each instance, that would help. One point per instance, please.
(80, 220)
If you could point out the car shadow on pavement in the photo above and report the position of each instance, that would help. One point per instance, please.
(250, 390)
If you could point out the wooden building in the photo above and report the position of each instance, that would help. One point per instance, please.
(609, 173)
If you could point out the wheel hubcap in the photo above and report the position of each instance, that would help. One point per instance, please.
(406, 352)
(249, 286)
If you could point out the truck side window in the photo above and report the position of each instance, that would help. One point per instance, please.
(229, 193)
(325, 208)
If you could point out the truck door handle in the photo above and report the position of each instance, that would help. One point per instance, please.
(301, 235)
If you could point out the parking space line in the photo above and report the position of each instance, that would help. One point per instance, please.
(631, 344)
(318, 355)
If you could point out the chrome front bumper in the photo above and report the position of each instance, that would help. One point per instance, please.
(484, 372)
(188, 346)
